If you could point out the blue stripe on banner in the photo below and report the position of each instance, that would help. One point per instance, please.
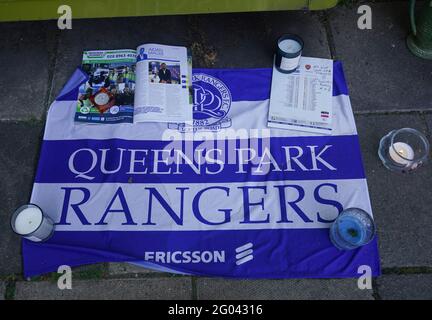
(244, 84)
(323, 158)
(295, 253)
(70, 90)
(339, 83)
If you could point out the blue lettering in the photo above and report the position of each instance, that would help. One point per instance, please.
(197, 212)
(247, 204)
(293, 204)
(177, 218)
(333, 203)
(125, 209)
(75, 207)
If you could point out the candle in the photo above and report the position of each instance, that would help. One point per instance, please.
(353, 228)
(290, 46)
(288, 53)
(401, 153)
(30, 222)
(404, 156)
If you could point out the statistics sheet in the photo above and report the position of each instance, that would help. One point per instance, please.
(302, 100)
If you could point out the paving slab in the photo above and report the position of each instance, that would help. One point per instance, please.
(400, 202)
(2, 290)
(242, 40)
(83, 272)
(248, 40)
(292, 289)
(127, 269)
(177, 288)
(405, 287)
(25, 58)
(381, 73)
(19, 148)
(91, 271)
(428, 118)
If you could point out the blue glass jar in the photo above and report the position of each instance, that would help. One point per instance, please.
(353, 228)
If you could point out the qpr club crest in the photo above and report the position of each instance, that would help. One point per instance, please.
(211, 104)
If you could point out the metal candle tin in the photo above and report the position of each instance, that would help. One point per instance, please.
(288, 53)
(31, 223)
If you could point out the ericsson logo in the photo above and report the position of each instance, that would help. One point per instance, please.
(244, 253)
(185, 256)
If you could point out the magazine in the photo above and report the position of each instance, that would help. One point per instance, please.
(108, 94)
(150, 84)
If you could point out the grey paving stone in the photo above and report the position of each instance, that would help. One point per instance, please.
(19, 147)
(25, 58)
(125, 289)
(293, 289)
(217, 40)
(428, 118)
(401, 202)
(248, 40)
(382, 74)
(91, 271)
(2, 290)
(405, 287)
(83, 272)
(121, 269)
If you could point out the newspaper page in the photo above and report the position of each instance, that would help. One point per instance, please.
(108, 95)
(302, 100)
(162, 93)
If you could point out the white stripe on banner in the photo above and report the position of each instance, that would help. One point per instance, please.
(228, 206)
(248, 115)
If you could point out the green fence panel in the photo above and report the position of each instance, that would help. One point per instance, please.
(21, 10)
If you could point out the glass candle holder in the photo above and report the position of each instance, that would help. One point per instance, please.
(31, 223)
(353, 228)
(404, 150)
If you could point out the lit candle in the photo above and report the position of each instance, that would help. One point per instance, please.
(404, 156)
(30, 222)
(288, 53)
(401, 153)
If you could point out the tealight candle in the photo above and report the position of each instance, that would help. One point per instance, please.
(403, 150)
(30, 222)
(288, 53)
(401, 153)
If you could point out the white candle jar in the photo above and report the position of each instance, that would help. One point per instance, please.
(288, 53)
(403, 150)
(31, 223)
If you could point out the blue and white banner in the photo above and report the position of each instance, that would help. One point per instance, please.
(225, 196)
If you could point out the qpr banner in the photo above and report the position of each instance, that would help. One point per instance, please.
(223, 196)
